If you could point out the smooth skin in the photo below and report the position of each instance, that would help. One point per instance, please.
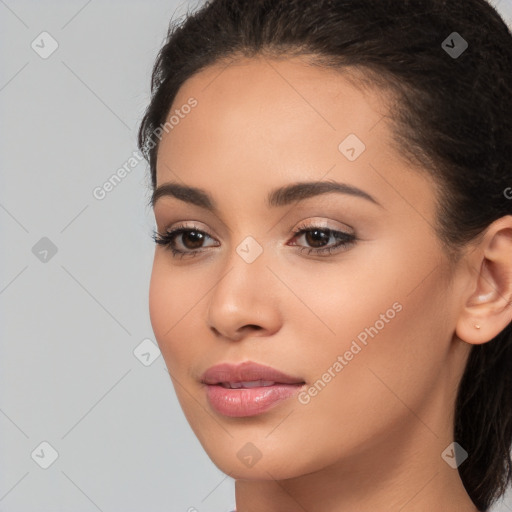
(372, 438)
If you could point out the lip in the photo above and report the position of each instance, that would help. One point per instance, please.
(242, 402)
(246, 371)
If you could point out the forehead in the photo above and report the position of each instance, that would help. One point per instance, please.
(266, 103)
(260, 123)
(280, 95)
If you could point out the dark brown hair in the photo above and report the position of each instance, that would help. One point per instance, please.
(452, 114)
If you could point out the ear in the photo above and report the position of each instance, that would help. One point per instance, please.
(488, 307)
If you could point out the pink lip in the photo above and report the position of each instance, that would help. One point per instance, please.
(247, 401)
(246, 371)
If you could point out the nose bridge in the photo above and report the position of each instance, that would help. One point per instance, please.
(245, 271)
(242, 295)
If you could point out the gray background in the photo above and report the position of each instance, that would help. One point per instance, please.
(72, 319)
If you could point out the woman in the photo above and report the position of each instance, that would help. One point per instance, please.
(332, 281)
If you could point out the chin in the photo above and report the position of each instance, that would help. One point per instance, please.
(240, 466)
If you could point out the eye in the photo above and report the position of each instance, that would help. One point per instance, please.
(319, 236)
(192, 239)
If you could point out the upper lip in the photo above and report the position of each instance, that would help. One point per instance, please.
(245, 372)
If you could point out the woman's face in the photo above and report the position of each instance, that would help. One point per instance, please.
(369, 327)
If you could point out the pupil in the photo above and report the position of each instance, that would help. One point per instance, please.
(198, 239)
(317, 236)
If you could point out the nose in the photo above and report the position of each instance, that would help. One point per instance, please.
(245, 301)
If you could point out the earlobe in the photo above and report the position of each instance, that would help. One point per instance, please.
(488, 308)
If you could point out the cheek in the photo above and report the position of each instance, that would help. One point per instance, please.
(390, 298)
(354, 300)
(173, 302)
(393, 343)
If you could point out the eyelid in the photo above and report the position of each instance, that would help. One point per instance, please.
(308, 223)
(186, 224)
(169, 215)
(321, 222)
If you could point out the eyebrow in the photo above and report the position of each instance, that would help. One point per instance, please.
(281, 196)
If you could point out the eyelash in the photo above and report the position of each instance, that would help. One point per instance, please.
(345, 240)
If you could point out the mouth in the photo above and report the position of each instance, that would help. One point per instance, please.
(242, 399)
(254, 384)
(247, 374)
(248, 388)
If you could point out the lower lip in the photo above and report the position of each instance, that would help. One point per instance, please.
(248, 401)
